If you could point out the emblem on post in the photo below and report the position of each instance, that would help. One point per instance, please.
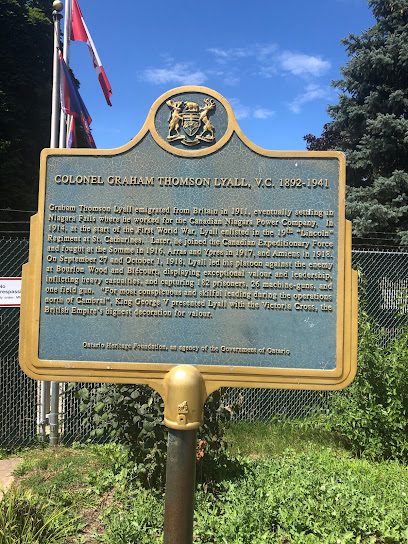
(189, 117)
(182, 408)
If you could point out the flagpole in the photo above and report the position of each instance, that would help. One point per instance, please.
(55, 107)
(55, 124)
(65, 53)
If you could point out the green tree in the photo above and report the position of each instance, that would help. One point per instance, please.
(26, 35)
(370, 124)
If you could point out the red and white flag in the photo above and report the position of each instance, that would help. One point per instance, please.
(79, 32)
(72, 103)
(72, 138)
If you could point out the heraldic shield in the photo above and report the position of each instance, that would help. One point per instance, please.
(191, 118)
(191, 123)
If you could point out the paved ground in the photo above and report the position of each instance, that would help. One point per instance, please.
(6, 468)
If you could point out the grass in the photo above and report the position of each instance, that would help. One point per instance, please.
(280, 484)
(268, 440)
(5, 453)
(26, 518)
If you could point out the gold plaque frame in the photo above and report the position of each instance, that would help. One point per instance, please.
(214, 376)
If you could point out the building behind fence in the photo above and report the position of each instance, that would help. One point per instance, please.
(383, 277)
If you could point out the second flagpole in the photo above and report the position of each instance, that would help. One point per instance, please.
(65, 53)
(55, 107)
(55, 126)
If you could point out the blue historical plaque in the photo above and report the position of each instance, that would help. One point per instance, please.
(191, 245)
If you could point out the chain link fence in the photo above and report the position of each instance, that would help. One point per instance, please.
(383, 278)
(18, 393)
(383, 285)
(384, 288)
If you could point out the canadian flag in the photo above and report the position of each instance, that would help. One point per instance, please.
(72, 103)
(79, 32)
(72, 138)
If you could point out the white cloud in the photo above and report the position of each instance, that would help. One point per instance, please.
(268, 71)
(300, 64)
(246, 112)
(231, 80)
(228, 55)
(267, 60)
(179, 73)
(240, 111)
(261, 51)
(234, 65)
(263, 113)
(312, 92)
(266, 50)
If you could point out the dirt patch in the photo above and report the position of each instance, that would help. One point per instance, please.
(91, 518)
(6, 469)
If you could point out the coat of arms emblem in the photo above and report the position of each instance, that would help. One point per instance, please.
(192, 119)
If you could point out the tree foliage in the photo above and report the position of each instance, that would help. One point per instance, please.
(370, 123)
(26, 35)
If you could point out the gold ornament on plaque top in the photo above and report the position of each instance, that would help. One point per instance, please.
(189, 117)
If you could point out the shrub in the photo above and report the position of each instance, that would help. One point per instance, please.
(132, 415)
(372, 413)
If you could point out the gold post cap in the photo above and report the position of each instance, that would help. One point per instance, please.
(57, 5)
(185, 394)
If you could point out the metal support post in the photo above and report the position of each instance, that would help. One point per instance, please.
(184, 393)
(180, 487)
(54, 413)
(44, 409)
(55, 117)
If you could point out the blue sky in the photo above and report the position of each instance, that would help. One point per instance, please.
(273, 61)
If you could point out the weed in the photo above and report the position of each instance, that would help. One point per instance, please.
(315, 498)
(139, 517)
(25, 520)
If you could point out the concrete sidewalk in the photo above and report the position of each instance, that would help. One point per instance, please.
(6, 468)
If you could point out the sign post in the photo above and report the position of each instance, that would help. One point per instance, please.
(183, 416)
(190, 248)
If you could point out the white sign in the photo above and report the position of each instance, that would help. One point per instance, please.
(10, 292)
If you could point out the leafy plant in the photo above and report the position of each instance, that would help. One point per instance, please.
(139, 517)
(306, 499)
(132, 415)
(372, 413)
(26, 520)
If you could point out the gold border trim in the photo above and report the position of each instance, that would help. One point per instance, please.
(215, 376)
